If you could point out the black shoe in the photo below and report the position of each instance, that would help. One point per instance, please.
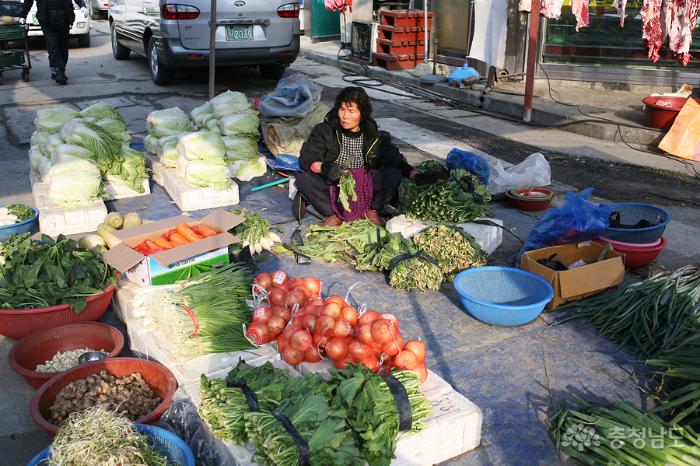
(53, 73)
(61, 77)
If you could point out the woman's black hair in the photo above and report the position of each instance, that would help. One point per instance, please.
(359, 97)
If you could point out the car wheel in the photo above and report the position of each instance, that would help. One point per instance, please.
(84, 40)
(118, 50)
(161, 74)
(274, 71)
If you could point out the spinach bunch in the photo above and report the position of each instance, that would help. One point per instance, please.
(35, 274)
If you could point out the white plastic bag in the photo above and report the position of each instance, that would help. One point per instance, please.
(533, 171)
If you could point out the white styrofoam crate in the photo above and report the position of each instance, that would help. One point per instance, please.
(157, 168)
(453, 429)
(55, 220)
(488, 237)
(189, 198)
(149, 343)
(117, 189)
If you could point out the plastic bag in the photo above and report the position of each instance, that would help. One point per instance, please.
(533, 171)
(294, 97)
(470, 162)
(577, 220)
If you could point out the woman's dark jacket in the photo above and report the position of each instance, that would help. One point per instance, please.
(323, 145)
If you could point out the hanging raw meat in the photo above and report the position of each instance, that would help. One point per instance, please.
(580, 9)
(549, 8)
(620, 6)
(683, 20)
(652, 35)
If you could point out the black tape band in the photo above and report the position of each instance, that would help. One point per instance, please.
(403, 257)
(249, 394)
(302, 446)
(403, 405)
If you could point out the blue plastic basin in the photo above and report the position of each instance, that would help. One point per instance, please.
(172, 446)
(502, 296)
(26, 226)
(630, 214)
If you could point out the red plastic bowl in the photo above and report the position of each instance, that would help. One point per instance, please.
(622, 244)
(519, 198)
(636, 257)
(661, 111)
(16, 323)
(158, 377)
(42, 345)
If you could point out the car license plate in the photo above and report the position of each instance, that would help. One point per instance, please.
(239, 32)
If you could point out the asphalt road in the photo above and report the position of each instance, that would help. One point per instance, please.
(94, 74)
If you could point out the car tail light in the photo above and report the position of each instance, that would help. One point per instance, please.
(290, 10)
(173, 11)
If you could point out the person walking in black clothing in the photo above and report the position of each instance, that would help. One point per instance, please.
(56, 18)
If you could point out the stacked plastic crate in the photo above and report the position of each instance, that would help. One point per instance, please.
(401, 39)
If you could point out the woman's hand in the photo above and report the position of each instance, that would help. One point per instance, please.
(331, 171)
(413, 174)
(316, 167)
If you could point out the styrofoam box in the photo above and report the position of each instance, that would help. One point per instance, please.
(453, 429)
(488, 237)
(150, 344)
(117, 189)
(189, 198)
(55, 220)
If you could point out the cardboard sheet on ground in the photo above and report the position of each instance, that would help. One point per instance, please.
(683, 139)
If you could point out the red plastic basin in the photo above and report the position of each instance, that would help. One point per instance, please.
(636, 257)
(42, 345)
(530, 199)
(16, 323)
(158, 377)
(662, 111)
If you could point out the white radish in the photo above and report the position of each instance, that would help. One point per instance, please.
(266, 243)
(274, 237)
(258, 248)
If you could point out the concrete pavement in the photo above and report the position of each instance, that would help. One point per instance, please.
(515, 375)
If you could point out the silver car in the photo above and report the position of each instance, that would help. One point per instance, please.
(176, 35)
(97, 8)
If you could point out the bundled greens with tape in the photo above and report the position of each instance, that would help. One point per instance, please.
(453, 249)
(460, 198)
(207, 313)
(349, 420)
(415, 272)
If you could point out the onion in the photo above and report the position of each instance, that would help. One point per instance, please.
(281, 343)
(332, 310)
(343, 362)
(358, 351)
(394, 346)
(368, 317)
(258, 333)
(313, 286)
(312, 355)
(371, 363)
(336, 348)
(294, 297)
(422, 372)
(263, 280)
(276, 325)
(406, 360)
(349, 314)
(279, 277)
(277, 297)
(320, 337)
(282, 312)
(342, 329)
(262, 314)
(292, 356)
(416, 347)
(300, 340)
(364, 334)
(336, 299)
(325, 323)
(381, 331)
(308, 322)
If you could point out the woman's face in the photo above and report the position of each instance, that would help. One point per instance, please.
(350, 116)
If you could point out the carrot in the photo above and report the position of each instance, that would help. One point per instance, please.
(142, 248)
(204, 230)
(187, 232)
(168, 234)
(153, 246)
(163, 243)
(178, 240)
